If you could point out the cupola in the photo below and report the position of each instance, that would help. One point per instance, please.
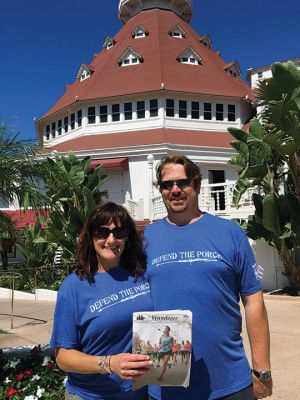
(129, 8)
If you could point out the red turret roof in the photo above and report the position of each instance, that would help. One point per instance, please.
(159, 52)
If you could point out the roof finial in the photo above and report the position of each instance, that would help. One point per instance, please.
(129, 8)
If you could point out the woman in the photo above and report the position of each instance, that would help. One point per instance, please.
(165, 350)
(93, 317)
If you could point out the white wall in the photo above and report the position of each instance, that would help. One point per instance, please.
(115, 185)
(139, 176)
(40, 294)
(267, 257)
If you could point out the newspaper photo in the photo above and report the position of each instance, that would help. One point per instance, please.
(166, 337)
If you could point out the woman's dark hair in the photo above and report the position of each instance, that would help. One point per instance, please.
(132, 257)
(191, 169)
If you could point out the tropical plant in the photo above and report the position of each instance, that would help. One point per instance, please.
(74, 188)
(35, 254)
(269, 159)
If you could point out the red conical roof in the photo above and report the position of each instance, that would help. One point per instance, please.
(159, 52)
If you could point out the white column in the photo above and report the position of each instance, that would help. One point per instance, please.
(150, 160)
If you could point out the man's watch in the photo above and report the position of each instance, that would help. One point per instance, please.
(262, 375)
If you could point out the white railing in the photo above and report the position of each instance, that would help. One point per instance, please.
(218, 197)
(214, 198)
(158, 208)
(135, 208)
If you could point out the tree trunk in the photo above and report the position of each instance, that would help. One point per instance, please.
(295, 172)
(4, 258)
(292, 270)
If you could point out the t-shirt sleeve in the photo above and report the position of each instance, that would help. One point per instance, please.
(248, 274)
(65, 333)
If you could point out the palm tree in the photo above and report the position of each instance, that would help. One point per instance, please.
(20, 175)
(66, 186)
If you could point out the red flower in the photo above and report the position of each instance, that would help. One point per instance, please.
(11, 391)
(28, 372)
(50, 365)
(19, 377)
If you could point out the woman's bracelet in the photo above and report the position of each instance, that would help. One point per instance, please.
(104, 365)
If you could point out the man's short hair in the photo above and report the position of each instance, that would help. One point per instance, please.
(191, 169)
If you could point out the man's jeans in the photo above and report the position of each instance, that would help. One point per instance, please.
(245, 394)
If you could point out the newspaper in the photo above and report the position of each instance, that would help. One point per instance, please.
(166, 336)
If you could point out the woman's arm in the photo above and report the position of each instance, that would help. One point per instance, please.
(127, 366)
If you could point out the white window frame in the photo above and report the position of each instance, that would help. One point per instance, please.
(177, 34)
(130, 60)
(189, 60)
(140, 33)
(85, 74)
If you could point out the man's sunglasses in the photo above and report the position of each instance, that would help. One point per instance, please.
(168, 185)
(103, 232)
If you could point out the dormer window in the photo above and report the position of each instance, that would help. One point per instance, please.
(139, 32)
(233, 69)
(189, 56)
(85, 71)
(206, 41)
(109, 43)
(130, 57)
(84, 75)
(177, 31)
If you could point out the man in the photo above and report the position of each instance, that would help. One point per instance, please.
(203, 263)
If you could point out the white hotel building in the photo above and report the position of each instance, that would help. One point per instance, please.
(158, 87)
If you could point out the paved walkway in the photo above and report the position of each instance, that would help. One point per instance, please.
(33, 324)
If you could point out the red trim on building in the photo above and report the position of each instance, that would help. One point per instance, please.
(111, 163)
(22, 218)
(146, 137)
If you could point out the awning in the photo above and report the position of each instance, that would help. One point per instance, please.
(111, 163)
(23, 218)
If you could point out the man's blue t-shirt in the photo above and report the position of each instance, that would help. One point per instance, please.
(204, 267)
(96, 319)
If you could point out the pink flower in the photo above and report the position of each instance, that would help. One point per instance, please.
(19, 377)
(28, 372)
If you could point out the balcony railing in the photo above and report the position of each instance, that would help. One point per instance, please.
(216, 199)
(135, 208)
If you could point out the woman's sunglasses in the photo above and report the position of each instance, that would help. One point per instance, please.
(168, 185)
(103, 232)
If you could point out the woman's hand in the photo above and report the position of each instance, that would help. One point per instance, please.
(130, 366)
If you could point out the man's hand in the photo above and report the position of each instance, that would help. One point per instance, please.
(262, 389)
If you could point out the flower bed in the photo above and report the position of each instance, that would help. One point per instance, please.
(32, 377)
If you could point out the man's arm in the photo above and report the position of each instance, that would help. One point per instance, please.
(259, 338)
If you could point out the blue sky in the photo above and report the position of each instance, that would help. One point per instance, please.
(43, 42)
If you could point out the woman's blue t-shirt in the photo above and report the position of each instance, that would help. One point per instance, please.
(96, 319)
